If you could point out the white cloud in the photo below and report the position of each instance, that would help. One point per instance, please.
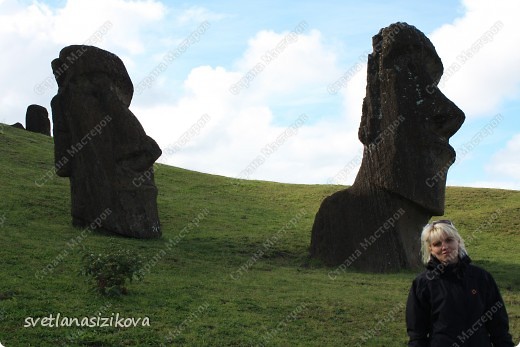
(479, 83)
(240, 126)
(35, 34)
(505, 162)
(354, 92)
(197, 15)
(79, 19)
(31, 22)
(298, 66)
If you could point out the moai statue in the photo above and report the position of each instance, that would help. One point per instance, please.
(37, 120)
(101, 146)
(405, 126)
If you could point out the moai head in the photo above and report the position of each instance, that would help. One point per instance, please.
(407, 121)
(101, 145)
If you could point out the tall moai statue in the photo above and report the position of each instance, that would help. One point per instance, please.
(101, 146)
(406, 124)
(37, 120)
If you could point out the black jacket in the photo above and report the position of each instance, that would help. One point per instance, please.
(456, 305)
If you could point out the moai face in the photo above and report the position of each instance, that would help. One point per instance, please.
(407, 121)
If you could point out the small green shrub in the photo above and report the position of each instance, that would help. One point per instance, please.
(110, 271)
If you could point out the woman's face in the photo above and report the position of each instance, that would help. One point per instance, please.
(445, 248)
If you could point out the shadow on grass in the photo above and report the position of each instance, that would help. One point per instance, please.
(505, 274)
(240, 250)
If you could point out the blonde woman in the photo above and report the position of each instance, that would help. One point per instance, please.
(454, 303)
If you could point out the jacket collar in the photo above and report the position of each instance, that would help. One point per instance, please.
(438, 269)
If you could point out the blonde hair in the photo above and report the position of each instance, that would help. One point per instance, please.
(434, 231)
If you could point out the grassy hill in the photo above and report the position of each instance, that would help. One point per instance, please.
(230, 270)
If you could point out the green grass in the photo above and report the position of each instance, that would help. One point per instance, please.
(275, 298)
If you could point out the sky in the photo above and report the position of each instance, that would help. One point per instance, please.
(272, 90)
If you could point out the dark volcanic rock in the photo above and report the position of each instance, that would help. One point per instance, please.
(405, 126)
(101, 146)
(37, 120)
(18, 125)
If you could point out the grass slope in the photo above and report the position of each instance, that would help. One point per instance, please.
(236, 276)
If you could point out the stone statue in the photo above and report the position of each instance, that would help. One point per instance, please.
(37, 120)
(18, 125)
(101, 145)
(405, 126)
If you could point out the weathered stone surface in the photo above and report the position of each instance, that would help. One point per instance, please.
(405, 126)
(18, 125)
(101, 146)
(37, 120)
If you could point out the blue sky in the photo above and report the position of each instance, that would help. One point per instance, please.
(200, 125)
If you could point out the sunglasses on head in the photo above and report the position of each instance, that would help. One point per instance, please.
(442, 221)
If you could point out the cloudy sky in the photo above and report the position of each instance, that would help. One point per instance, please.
(272, 90)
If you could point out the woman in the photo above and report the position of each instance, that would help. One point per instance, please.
(454, 303)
